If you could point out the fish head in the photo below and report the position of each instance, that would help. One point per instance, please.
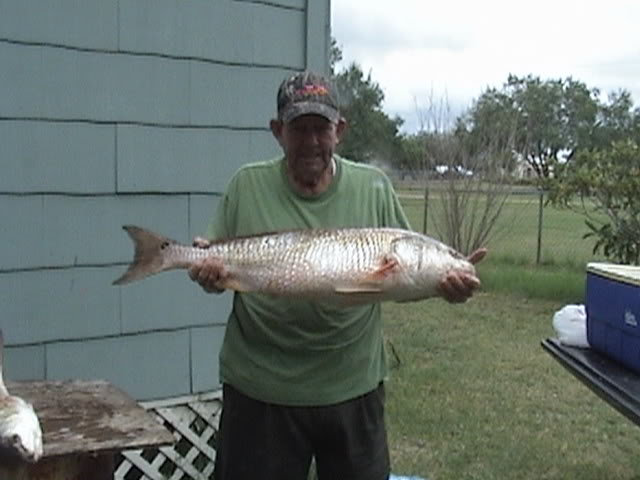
(424, 261)
(20, 431)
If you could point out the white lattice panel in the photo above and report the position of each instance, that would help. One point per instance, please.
(194, 424)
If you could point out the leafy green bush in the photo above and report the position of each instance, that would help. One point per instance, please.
(611, 179)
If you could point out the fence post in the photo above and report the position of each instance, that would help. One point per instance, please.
(425, 215)
(540, 210)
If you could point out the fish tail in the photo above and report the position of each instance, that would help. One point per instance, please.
(149, 257)
(3, 389)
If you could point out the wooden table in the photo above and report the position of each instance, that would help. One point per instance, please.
(85, 424)
(614, 383)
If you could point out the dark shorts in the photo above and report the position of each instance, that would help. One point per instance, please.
(262, 441)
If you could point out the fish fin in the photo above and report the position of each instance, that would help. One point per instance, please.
(356, 289)
(231, 283)
(372, 282)
(148, 258)
(388, 266)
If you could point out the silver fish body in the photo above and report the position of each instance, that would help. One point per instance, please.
(20, 430)
(348, 266)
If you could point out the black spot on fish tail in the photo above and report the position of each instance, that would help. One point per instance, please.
(148, 256)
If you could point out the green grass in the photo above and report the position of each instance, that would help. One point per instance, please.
(515, 236)
(475, 397)
(551, 283)
(511, 264)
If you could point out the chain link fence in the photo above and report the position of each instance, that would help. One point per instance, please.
(527, 232)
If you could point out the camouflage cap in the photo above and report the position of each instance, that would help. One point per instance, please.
(307, 93)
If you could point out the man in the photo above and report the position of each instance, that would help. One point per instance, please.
(304, 379)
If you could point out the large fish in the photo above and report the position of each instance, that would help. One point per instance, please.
(346, 266)
(20, 432)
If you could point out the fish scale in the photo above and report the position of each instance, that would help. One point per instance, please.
(304, 261)
(348, 266)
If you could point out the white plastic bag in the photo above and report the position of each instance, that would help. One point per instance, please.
(570, 324)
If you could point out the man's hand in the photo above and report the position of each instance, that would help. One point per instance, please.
(209, 273)
(458, 286)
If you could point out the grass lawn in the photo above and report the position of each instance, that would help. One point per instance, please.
(511, 264)
(474, 396)
(514, 239)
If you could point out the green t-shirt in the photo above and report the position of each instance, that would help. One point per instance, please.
(294, 352)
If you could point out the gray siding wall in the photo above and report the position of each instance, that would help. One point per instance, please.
(120, 112)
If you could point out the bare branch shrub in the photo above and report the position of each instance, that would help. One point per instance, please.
(468, 171)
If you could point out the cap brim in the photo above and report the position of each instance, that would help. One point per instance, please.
(309, 108)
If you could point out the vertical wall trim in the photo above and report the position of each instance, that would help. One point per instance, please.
(115, 158)
(307, 22)
(327, 37)
(317, 35)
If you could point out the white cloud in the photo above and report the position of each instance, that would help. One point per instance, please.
(416, 48)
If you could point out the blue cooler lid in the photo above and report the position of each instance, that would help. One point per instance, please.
(622, 273)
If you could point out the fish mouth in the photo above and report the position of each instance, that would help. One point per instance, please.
(13, 452)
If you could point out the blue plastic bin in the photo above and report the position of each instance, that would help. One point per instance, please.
(612, 302)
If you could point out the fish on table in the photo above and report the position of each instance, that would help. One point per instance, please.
(20, 431)
(346, 266)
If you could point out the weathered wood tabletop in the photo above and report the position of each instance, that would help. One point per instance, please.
(89, 417)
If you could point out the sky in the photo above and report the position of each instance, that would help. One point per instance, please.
(443, 54)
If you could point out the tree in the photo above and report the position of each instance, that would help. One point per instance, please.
(372, 135)
(489, 131)
(608, 179)
(469, 200)
(605, 176)
(617, 120)
(553, 117)
(412, 158)
(335, 55)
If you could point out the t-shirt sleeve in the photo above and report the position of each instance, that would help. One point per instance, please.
(221, 225)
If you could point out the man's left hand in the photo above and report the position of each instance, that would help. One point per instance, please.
(458, 286)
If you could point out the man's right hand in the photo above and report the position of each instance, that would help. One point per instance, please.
(209, 272)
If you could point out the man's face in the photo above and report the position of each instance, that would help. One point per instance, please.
(309, 142)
